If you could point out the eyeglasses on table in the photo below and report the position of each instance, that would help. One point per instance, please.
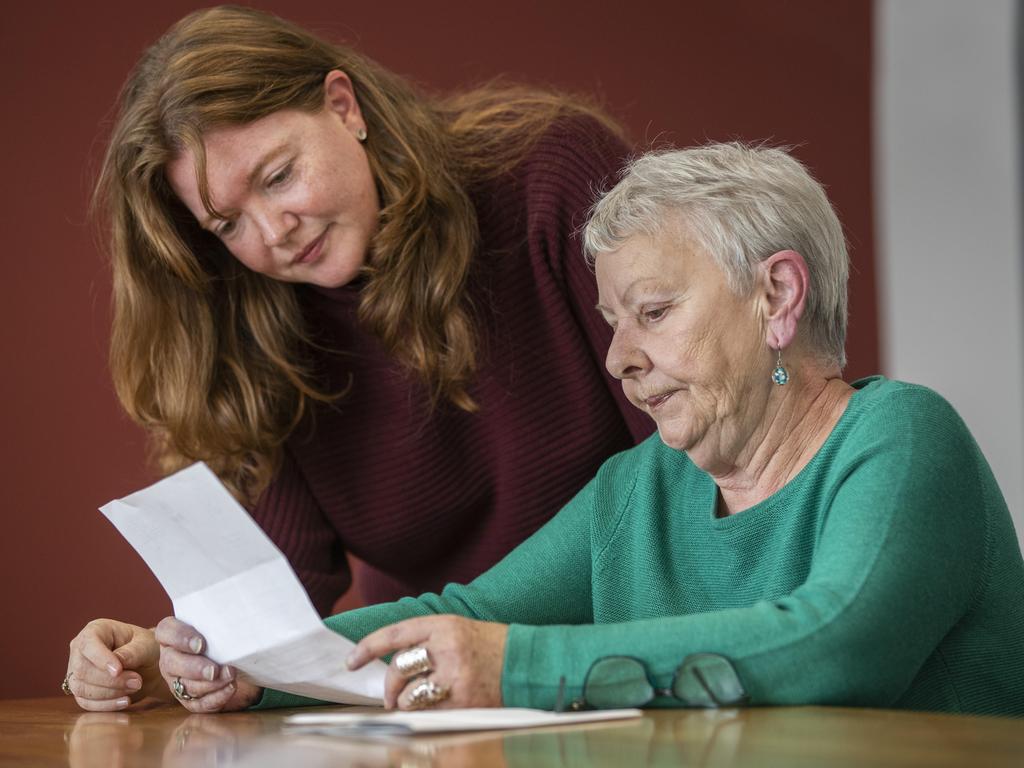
(701, 680)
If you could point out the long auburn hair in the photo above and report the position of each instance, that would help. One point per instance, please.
(213, 359)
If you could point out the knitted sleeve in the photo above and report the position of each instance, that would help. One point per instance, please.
(564, 176)
(291, 517)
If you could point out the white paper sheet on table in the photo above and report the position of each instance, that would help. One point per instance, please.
(444, 720)
(229, 581)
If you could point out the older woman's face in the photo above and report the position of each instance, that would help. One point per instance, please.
(299, 199)
(687, 349)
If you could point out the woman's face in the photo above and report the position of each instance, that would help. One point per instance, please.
(295, 188)
(689, 351)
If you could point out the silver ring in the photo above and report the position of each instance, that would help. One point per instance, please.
(413, 661)
(427, 693)
(178, 689)
(65, 686)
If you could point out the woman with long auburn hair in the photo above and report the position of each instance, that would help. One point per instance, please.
(366, 309)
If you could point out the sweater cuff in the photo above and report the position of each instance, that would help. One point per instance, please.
(274, 699)
(535, 660)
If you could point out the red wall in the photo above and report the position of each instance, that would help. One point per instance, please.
(675, 72)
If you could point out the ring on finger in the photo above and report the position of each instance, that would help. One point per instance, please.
(178, 689)
(427, 693)
(413, 661)
(65, 686)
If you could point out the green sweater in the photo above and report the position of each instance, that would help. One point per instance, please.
(886, 574)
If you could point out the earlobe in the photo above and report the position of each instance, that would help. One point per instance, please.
(340, 98)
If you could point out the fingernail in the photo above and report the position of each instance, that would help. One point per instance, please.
(196, 644)
(124, 701)
(133, 684)
(350, 662)
(227, 673)
(210, 672)
(112, 670)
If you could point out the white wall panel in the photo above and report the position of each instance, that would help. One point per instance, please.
(948, 202)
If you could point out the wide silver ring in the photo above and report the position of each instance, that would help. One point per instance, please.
(65, 686)
(178, 689)
(427, 693)
(413, 661)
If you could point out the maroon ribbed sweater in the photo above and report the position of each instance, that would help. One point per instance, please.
(425, 498)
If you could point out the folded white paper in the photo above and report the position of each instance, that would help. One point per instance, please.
(444, 720)
(229, 581)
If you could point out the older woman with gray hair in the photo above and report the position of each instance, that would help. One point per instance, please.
(786, 538)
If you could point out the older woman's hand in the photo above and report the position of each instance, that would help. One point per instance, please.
(111, 664)
(464, 661)
(199, 684)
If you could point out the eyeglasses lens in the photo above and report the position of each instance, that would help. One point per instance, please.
(708, 680)
(617, 681)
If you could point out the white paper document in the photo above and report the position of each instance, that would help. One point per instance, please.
(229, 581)
(444, 720)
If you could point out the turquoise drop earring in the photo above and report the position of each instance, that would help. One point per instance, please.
(780, 375)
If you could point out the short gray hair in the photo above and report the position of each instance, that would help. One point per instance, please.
(742, 203)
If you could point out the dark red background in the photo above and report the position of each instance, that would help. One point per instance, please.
(676, 72)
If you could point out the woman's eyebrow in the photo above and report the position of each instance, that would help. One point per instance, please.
(265, 159)
(641, 286)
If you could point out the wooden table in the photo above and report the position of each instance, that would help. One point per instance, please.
(53, 732)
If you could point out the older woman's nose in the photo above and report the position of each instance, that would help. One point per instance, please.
(626, 358)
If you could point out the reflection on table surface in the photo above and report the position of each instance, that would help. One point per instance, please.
(53, 732)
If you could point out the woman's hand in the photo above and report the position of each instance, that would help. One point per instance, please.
(112, 664)
(199, 684)
(466, 659)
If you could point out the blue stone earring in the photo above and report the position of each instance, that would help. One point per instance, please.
(780, 375)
